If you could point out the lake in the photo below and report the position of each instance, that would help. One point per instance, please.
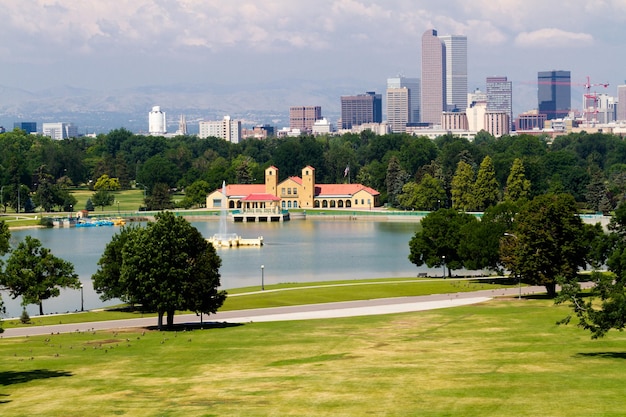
(296, 251)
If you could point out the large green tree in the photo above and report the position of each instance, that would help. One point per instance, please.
(166, 266)
(548, 242)
(35, 274)
(517, 185)
(437, 244)
(604, 306)
(462, 187)
(486, 189)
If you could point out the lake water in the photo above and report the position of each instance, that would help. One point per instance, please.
(294, 251)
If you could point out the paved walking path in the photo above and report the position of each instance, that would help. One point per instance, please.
(300, 312)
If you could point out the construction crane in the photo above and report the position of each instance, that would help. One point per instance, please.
(591, 102)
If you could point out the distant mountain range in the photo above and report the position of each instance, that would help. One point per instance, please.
(96, 111)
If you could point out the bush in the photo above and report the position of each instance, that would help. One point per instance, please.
(25, 318)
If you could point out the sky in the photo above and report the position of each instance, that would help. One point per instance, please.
(128, 43)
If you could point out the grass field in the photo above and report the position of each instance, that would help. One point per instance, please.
(501, 358)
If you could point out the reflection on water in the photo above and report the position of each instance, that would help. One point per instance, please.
(296, 251)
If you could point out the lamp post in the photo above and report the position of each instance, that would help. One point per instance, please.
(262, 277)
(519, 277)
(2, 197)
(443, 261)
(118, 207)
(82, 303)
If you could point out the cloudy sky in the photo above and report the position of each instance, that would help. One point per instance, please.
(126, 43)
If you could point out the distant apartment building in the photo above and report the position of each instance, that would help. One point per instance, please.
(476, 96)
(227, 129)
(532, 120)
(554, 94)
(322, 127)
(497, 123)
(258, 132)
(157, 125)
(303, 117)
(398, 105)
(454, 120)
(28, 127)
(500, 96)
(60, 130)
(360, 109)
(413, 85)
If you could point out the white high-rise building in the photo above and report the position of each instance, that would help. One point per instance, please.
(227, 129)
(413, 84)
(398, 104)
(455, 56)
(60, 130)
(156, 122)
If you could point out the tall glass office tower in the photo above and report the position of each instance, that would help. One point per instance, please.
(455, 53)
(554, 93)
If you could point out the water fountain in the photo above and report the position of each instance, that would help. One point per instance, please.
(228, 240)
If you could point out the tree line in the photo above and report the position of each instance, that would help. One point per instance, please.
(410, 172)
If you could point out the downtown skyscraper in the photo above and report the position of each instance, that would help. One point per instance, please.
(444, 75)
(554, 93)
(500, 96)
(455, 53)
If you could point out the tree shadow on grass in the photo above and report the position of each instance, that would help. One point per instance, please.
(196, 326)
(12, 377)
(607, 355)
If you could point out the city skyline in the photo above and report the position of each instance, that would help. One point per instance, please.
(123, 44)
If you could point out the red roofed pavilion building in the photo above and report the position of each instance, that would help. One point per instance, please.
(293, 192)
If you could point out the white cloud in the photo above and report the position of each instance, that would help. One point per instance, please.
(553, 38)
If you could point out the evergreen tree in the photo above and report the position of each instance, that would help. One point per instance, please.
(596, 191)
(462, 187)
(395, 180)
(486, 189)
(517, 186)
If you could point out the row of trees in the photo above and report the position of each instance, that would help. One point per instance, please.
(588, 166)
(542, 241)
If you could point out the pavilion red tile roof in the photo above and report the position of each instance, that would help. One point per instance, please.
(328, 190)
(260, 197)
(242, 190)
(321, 190)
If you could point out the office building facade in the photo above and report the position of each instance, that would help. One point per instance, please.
(621, 103)
(28, 127)
(60, 130)
(433, 86)
(554, 93)
(455, 55)
(398, 104)
(227, 129)
(362, 108)
(303, 117)
(500, 96)
(413, 85)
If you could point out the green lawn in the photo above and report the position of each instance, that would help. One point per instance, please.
(500, 358)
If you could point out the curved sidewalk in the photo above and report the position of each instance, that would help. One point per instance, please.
(300, 312)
